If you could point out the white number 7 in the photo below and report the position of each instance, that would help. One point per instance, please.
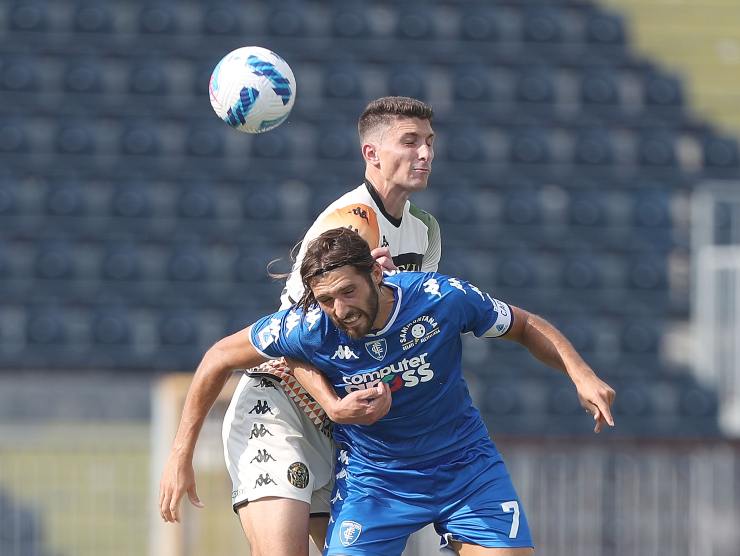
(512, 506)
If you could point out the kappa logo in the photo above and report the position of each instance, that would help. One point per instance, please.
(259, 432)
(266, 383)
(349, 532)
(344, 352)
(407, 372)
(341, 475)
(377, 348)
(262, 457)
(270, 333)
(418, 331)
(291, 321)
(313, 316)
(431, 287)
(263, 480)
(261, 407)
(337, 498)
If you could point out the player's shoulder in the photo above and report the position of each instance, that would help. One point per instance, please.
(424, 215)
(430, 284)
(354, 210)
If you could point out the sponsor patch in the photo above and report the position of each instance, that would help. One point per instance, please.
(298, 474)
(418, 331)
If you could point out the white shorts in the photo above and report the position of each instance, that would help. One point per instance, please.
(272, 448)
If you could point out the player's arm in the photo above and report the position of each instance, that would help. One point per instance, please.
(550, 346)
(363, 407)
(233, 352)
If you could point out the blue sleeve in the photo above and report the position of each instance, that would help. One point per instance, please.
(476, 310)
(279, 335)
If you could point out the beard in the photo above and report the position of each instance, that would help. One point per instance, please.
(365, 317)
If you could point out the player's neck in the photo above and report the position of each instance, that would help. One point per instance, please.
(393, 198)
(386, 300)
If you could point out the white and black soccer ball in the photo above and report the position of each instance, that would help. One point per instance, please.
(252, 89)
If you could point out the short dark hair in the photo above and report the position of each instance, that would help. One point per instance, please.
(381, 111)
(333, 249)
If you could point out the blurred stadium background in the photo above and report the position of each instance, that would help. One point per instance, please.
(587, 168)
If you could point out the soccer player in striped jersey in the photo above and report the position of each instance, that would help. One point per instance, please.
(276, 443)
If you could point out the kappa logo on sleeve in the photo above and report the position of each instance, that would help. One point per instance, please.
(313, 316)
(291, 321)
(270, 333)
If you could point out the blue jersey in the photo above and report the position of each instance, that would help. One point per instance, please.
(418, 353)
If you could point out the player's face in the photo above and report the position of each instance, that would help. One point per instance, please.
(349, 298)
(405, 153)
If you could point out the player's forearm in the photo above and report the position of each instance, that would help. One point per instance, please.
(208, 381)
(550, 346)
(316, 384)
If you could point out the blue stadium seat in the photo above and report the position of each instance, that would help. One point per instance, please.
(516, 271)
(660, 90)
(75, 138)
(697, 402)
(542, 25)
(65, 199)
(647, 272)
(222, 19)
(581, 272)
(522, 208)
(350, 22)
(275, 144)
(479, 24)
(287, 20)
(342, 81)
(599, 88)
(657, 149)
(179, 329)
(593, 147)
(634, 400)
(581, 331)
(414, 22)
(457, 207)
(45, 327)
(8, 198)
(27, 16)
(250, 266)
(465, 145)
(196, 202)
(407, 81)
(130, 200)
(535, 85)
(587, 209)
(337, 143)
(120, 263)
(148, 78)
(111, 327)
(13, 138)
(83, 76)
(472, 84)
(186, 264)
(19, 74)
(54, 261)
(261, 204)
(158, 19)
(640, 336)
(604, 28)
(529, 147)
(140, 140)
(93, 17)
(651, 209)
(502, 399)
(205, 141)
(563, 400)
(720, 152)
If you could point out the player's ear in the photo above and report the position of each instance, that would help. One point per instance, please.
(370, 153)
(377, 273)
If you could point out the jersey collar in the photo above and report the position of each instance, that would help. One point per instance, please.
(396, 308)
(378, 201)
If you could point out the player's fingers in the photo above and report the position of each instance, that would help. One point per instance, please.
(380, 252)
(193, 496)
(164, 507)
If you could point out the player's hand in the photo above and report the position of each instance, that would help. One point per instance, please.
(362, 407)
(178, 478)
(596, 397)
(383, 257)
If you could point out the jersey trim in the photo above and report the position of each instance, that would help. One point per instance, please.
(378, 201)
(396, 309)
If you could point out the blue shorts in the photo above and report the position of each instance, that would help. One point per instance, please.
(469, 498)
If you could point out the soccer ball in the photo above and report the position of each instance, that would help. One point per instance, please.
(252, 89)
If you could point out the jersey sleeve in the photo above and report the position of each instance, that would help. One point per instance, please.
(433, 253)
(279, 335)
(358, 217)
(476, 310)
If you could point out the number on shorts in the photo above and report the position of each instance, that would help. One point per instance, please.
(512, 506)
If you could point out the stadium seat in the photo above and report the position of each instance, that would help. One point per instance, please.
(640, 336)
(178, 329)
(587, 209)
(350, 22)
(581, 272)
(275, 144)
(657, 149)
(605, 29)
(720, 152)
(407, 81)
(261, 204)
(515, 271)
(479, 25)
(522, 208)
(13, 138)
(45, 327)
(529, 147)
(695, 401)
(221, 19)
(563, 400)
(465, 145)
(120, 263)
(501, 399)
(186, 264)
(593, 147)
(661, 90)
(535, 85)
(250, 266)
(599, 88)
(647, 272)
(130, 200)
(414, 22)
(457, 207)
(75, 138)
(634, 400)
(148, 78)
(342, 81)
(157, 19)
(83, 76)
(471, 84)
(8, 198)
(54, 261)
(287, 20)
(19, 74)
(196, 202)
(651, 209)
(27, 16)
(205, 141)
(111, 327)
(337, 144)
(139, 140)
(542, 25)
(93, 17)
(65, 199)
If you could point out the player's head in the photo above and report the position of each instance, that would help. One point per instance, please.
(341, 276)
(397, 142)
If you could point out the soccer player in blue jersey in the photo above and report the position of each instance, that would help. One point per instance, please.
(430, 458)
